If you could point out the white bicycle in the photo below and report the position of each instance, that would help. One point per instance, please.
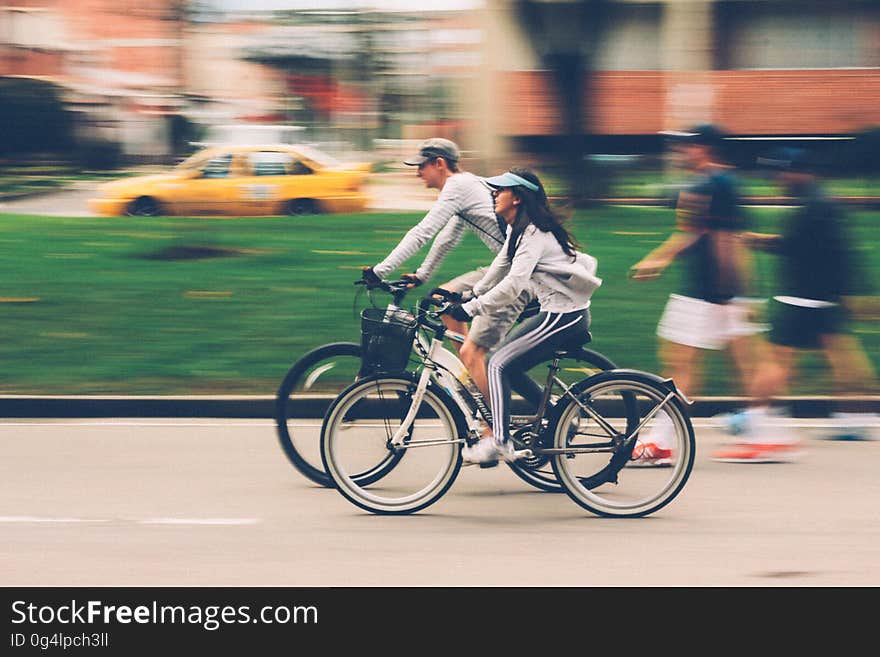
(320, 375)
(407, 428)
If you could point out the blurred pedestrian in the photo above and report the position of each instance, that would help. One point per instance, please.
(707, 314)
(818, 275)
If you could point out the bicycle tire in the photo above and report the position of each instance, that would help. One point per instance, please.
(638, 492)
(362, 420)
(538, 472)
(299, 415)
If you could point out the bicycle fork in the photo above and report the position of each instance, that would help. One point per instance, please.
(398, 440)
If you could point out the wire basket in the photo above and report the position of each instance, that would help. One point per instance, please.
(387, 338)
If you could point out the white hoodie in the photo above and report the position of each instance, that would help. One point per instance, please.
(561, 282)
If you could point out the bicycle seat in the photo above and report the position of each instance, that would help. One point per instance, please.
(565, 350)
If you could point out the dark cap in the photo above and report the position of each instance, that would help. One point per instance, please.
(435, 147)
(706, 134)
(788, 159)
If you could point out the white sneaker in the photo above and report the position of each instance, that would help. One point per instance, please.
(852, 426)
(486, 453)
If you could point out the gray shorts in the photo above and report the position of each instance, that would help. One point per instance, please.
(486, 331)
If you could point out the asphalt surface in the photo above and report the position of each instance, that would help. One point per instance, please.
(156, 502)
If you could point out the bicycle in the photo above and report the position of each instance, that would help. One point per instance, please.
(317, 378)
(421, 420)
(307, 389)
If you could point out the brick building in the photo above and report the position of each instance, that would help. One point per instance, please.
(119, 62)
(792, 68)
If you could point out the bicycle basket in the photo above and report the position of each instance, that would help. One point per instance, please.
(386, 339)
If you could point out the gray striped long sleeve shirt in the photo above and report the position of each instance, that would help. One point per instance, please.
(464, 203)
(562, 283)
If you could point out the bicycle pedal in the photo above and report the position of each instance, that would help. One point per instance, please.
(489, 464)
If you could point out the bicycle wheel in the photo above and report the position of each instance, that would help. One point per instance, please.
(357, 433)
(309, 387)
(537, 470)
(596, 477)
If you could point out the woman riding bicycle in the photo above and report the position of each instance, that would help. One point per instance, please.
(538, 252)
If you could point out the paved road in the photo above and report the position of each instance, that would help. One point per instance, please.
(213, 502)
(71, 202)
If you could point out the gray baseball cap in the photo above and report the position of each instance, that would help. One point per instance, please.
(435, 147)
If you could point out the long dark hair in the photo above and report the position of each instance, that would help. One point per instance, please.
(534, 208)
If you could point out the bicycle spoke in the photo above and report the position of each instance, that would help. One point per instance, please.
(601, 480)
(424, 468)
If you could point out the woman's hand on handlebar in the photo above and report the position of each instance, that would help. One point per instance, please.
(458, 313)
(445, 295)
(448, 303)
(454, 297)
(412, 279)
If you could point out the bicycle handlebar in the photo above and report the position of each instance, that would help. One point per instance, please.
(432, 300)
(392, 287)
(437, 297)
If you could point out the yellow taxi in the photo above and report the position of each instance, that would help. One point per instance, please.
(241, 181)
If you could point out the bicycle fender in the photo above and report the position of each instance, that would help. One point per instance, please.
(648, 377)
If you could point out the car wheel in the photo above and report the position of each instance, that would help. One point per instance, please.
(143, 207)
(301, 206)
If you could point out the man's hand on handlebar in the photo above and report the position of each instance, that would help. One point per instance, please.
(369, 277)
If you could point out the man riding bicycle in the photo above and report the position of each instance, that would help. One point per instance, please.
(465, 203)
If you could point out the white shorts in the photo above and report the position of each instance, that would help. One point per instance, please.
(698, 323)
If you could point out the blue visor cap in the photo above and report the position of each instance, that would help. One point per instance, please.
(509, 179)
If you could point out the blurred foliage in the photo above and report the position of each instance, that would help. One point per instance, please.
(33, 118)
(867, 150)
(98, 155)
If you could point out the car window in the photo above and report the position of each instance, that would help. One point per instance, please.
(217, 167)
(320, 157)
(299, 169)
(240, 166)
(277, 163)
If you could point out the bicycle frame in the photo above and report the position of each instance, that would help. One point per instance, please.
(445, 368)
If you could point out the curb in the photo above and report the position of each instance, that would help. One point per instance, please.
(263, 407)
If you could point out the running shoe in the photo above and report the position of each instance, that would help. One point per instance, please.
(758, 453)
(650, 455)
